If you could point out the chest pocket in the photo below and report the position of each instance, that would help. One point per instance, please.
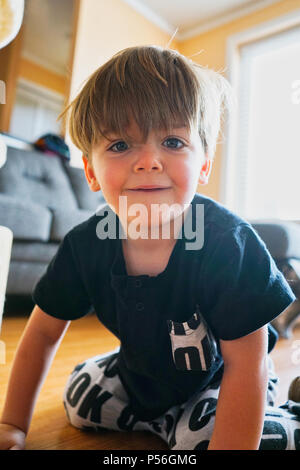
(193, 344)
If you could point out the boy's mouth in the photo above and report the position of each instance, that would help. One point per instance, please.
(149, 188)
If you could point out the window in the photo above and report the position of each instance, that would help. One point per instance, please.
(35, 111)
(266, 166)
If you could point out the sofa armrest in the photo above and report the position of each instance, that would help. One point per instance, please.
(282, 238)
(64, 220)
(26, 219)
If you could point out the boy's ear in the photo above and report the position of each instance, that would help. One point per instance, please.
(90, 175)
(205, 171)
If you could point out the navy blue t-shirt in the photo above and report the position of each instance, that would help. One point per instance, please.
(169, 325)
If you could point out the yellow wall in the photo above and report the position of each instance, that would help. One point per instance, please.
(37, 74)
(214, 45)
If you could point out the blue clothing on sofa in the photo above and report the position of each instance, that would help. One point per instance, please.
(169, 325)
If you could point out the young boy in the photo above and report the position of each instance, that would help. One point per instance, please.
(192, 318)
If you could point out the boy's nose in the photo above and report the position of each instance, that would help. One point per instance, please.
(148, 161)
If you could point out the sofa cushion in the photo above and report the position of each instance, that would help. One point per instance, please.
(27, 220)
(63, 221)
(37, 252)
(86, 198)
(30, 175)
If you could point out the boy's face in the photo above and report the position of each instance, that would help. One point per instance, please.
(174, 161)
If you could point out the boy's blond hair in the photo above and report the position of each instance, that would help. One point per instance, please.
(158, 88)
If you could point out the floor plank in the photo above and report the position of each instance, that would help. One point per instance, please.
(86, 338)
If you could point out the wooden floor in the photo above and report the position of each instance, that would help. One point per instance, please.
(86, 338)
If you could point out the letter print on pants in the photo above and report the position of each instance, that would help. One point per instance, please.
(94, 399)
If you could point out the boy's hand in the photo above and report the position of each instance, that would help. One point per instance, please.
(37, 347)
(11, 437)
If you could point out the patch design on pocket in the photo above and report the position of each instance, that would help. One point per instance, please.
(193, 344)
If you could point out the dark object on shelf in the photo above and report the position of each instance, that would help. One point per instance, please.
(283, 241)
(53, 144)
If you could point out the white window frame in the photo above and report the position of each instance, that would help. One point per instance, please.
(228, 192)
(44, 93)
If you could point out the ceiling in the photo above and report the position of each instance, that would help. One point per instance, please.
(48, 33)
(48, 23)
(193, 16)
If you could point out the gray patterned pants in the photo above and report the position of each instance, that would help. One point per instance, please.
(94, 398)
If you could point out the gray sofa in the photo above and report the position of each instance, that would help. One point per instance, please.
(41, 198)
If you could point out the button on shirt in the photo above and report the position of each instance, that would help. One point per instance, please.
(169, 325)
(139, 306)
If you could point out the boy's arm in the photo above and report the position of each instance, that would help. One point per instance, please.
(242, 398)
(33, 358)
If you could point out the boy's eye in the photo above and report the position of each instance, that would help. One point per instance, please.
(120, 146)
(173, 143)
